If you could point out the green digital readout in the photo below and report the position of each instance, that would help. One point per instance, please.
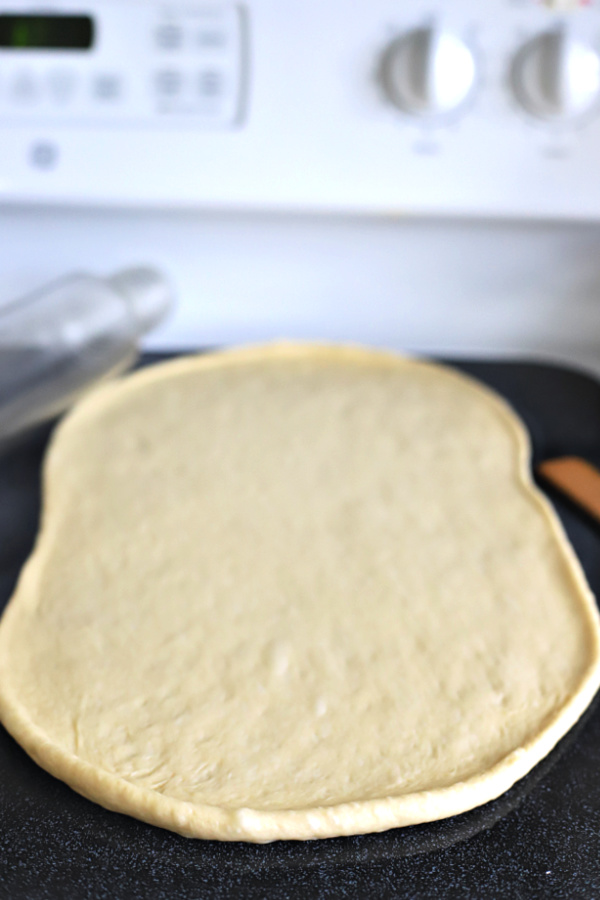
(45, 32)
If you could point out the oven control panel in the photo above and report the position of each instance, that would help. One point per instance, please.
(421, 108)
(122, 64)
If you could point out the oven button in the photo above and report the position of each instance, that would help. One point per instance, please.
(556, 77)
(62, 84)
(428, 72)
(168, 82)
(210, 84)
(24, 89)
(43, 155)
(106, 87)
(211, 39)
(169, 37)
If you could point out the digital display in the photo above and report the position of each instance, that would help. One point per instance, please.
(46, 32)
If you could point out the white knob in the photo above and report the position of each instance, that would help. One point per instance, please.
(556, 77)
(429, 72)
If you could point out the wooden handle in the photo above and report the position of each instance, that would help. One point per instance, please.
(576, 478)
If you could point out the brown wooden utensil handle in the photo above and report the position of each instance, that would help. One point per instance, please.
(576, 478)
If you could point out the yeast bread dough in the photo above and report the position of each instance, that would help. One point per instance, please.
(294, 592)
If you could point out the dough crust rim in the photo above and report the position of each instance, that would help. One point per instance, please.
(261, 826)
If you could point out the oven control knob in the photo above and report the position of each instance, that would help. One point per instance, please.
(556, 77)
(428, 72)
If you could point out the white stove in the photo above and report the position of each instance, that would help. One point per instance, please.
(425, 177)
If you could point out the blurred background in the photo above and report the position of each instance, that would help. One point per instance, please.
(417, 175)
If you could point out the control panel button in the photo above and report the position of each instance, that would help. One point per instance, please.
(43, 155)
(62, 84)
(556, 77)
(429, 72)
(211, 39)
(23, 88)
(210, 84)
(168, 82)
(169, 37)
(106, 87)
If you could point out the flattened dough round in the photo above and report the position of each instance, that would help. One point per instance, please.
(295, 592)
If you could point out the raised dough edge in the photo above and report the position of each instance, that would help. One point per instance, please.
(262, 826)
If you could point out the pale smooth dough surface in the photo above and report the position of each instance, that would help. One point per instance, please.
(295, 592)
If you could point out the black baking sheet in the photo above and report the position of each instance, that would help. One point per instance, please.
(541, 839)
